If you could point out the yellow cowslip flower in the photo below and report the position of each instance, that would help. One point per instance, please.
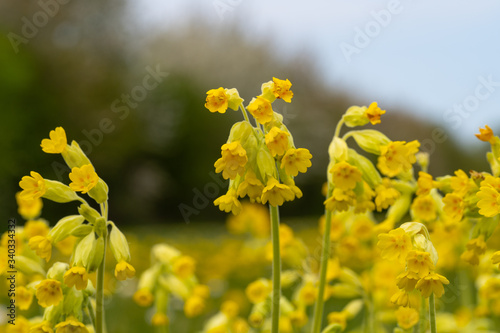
(345, 176)
(49, 292)
(36, 228)
(233, 160)
(143, 297)
(42, 245)
(217, 100)
(407, 317)
(333, 269)
(124, 270)
(202, 291)
(485, 134)
(490, 290)
(276, 193)
(261, 109)
(362, 228)
(337, 227)
(230, 309)
(425, 183)
(71, 325)
(66, 246)
(373, 113)
(83, 179)
(295, 161)
(240, 325)
(340, 200)
(258, 291)
(298, 318)
(401, 298)
(76, 276)
(229, 202)
(424, 208)
(364, 200)
(277, 141)
(338, 318)
(386, 195)
(24, 297)
(475, 248)
(57, 142)
(495, 258)
(194, 306)
(21, 325)
(397, 157)
(432, 283)
(460, 183)
(33, 186)
(453, 206)
(251, 186)
(281, 89)
(307, 294)
(184, 266)
(394, 245)
(159, 319)
(419, 262)
(407, 280)
(43, 327)
(28, 209)
(489, 200)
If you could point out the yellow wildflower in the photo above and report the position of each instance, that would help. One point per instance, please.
(407, 280)
(394, 245)
(340, 200)
(33, 187)
(43, 327)
(425, 183)
(233, 160)
(307, 294)
(71, 325)
(485, 134)
(475, 248)
(407, 317)
(76, 276)
(298, 318)
(424, 208)
(460, 183)
(401, 298)
(184, 266)
(277, 141)
(36, 228)
(386, 195)
(276, 193)
(159, 319)
(230, 309)
(419, 262)
(251, 186)
(83, 179)
(261, 109)
(453, 206)
(364, 200)
(432, 283)
(397, 157)
(345, 176)
(229, 202)
(21, 325)
(194, 306)
(338, 318)
(495, 258)
(57, 142)
(124, 270)
(202, 291)
(42, 246)
(258, 291)
(24, 297)
(296, 160)
(373, 112)
(217, 100)
(281, 89)
(489, 200)
(49, 292)
(143, 297)
(337, 227)
(27, 208)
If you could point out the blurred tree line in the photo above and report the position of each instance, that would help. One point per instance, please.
(134, 99)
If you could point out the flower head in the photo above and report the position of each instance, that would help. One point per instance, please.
(394, 245)
(229, 202)
(419, 262)
(71, 325)
(281, 89)
(407, 280)
(397, 157)
(432, 283)
(217, 100)
(49, 292)
(76, 276)
(28, 208)
(295, 161)
(485, 134)
(258, 291)
(33, 187)
(489, 200)
(233, 160)
(276, 193)
(277, 141)
(424, 208)
(159, 319)
(143, 297)
(345, 176)
(83, 179)
(425, 183)
(407, 317)
(43, 327)
(184, 266)
(373, 112)
(57, 142)
(124, 270)
(42, 246)
(194, 306)
(251, 186)
(24, 297)
(261, 109)
(340, 200)
(386, 195)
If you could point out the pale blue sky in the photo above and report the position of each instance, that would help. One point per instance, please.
(429, 57)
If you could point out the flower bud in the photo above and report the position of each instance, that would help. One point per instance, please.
(82, 230)
(148, 278)
(240, 131)
(164, 253)
(338, 150)
(99, 192)
(74, 156)
(266, 163)
(370, 140)
(353, 308)
(64, 227)
(118, 244)
(89, 252)
(267, 91)
(175, 285)
(88, 212)
(73, 300)
(368, 170)
(56, 272)
(59, 192)
(29, 266)
(234, 100)
(355, 116)
(333, 328)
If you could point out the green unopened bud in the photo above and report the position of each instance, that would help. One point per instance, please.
(56, 272)
(338, 150)
(344, 290)
(28, 266)
(59, 192)
(370, 140)
(241, 131)
(100, 226)
(74, 156)
(259, 313)
(53, 313)
(175, 285)
(164, 253)
(267, 91)
(89, 252)
(88, 212)
(288, 278)
(99, 192)
(399, 209)
(355, 116)
(234, 100)
(149, 277)
(118, 244)
(266, 163)
(353, 308)
(368, 170)
(72, 303)
(82, 230)
(333, 328)
(64, 227)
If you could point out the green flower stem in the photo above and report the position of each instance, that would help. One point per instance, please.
(275, 233)
(368, 320)
(325, 254)
(432, 313)
(100, 325)
(91, 312)
(339, 126)
(244, 111)
(422, 323)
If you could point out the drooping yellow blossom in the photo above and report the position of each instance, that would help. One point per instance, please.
(424, 208)
(338, 318)
(251, 186)
(489, 200)
(230, 309)
(407, 317)
(261, 109)
(21, 325)
(386, 195)
(485, 134)
(258, 291)
(373, 112)
(159, 319)
(36, 228)
(143, 297)
(202, 291)
(432, 283)
(337, 227)
(184, 266)
(453, 206)
(395, 245)
(407, 280)
(495, 258)
(42, 246)
(24, 297)
(402, 298)
(277, 141)
(475, 248)
(76, 276)
(460, 183)
(49, 292)
(397, 157)
(194, 306)
(217, 100)
(83, 179)
(340, 200)
(307, 294)
(276, 193)
(28, 209)
(233, 160)
(296, 160)
(345, 176)
(43, 327)
(71, 325)
(281, 89)
(298, 318)
(419, 262)
(425, 183)
(57, 142)
(364, 200)
(33, 186)
(124, 270)
(229, 202)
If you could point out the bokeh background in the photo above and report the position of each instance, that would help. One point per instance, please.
(73, 64)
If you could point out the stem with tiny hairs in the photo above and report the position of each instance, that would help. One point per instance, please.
(432, 313)
(100, 325)
(275, 234)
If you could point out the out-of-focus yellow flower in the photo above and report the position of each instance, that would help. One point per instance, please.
(24, 297)
(230, 309)
(296, 160)
(298, 318)
(401, 298)
(71, 325)
(485, 134)
(277, 141)
(251, 186)
(229, 202)
(338, 318)
(307, 294)
(184, 266)
(453, 206)
(76, 276)
(460, 183)
(22, 325)
(83, 179)
(495, 258)
(49, 292)
(276, 193)
(419, 262)
(333, 270)
(394, 245)
(475, 248)
(66, 245)
(217, 100)
(345, 176)
(42, 246)
(397, 157)
(337, 227)
(432, 283)
(281, 89)
(407, 317)
(202, 291)
(425, 183)
(194, 306)
(28, 209)
(43, 327)
(57, 142)
(424, 208)
(124, 270)
(33, 186)
(34, 228)
(261, 109)
(373, 112)
(386, 195)
(258, 291)
(159, 319)
(340, 200)
(407, 280)
(143, 297)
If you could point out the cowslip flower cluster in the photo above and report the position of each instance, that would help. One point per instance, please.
(260, 160)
